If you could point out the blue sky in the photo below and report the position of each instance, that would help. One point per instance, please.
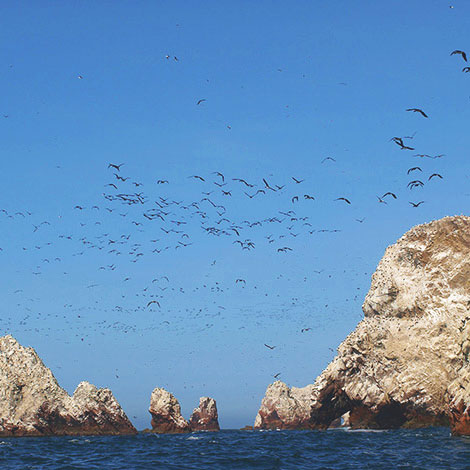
(286, 84)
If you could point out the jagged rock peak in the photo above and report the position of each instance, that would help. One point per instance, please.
(205, 416)
(166, 413)
(33, 404)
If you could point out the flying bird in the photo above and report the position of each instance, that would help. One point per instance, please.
(153, 302)
(219, 174)
(413, 169)
(200, 101)
(417, 110)
(389, 194)
(267, 185)
(343, 199)
(416, 204)
(116, 167)
(436, 175)
(197, 177)
(296, 180)
(399, 142)
(269, 347)
(414, 184)
(462, 53)
(243, 181)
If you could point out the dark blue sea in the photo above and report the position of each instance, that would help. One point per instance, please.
(335, 449)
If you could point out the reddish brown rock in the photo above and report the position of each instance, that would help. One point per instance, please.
(460, 419)
(33, 404)
(205, 417)
(166, 413)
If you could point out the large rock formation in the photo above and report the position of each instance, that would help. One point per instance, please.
(205, 417)
(166, 413)
(33, 404)
(407, 362)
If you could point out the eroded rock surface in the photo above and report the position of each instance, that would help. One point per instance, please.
(166, 413)
(205, 416)
(407, 362)
(284, 408)
(33, 404)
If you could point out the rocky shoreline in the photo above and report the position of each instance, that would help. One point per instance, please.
(406, 365)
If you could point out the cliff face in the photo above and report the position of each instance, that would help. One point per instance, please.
(33, 404)
(407, 362)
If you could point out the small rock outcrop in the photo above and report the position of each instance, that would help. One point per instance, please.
(284, 408)
(205, 417)
(33, 404)
(167, 419)
(407, 363)
(166, 413)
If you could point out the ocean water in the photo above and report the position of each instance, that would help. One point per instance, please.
(431, 448)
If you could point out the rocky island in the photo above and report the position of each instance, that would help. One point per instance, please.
(167, 419)
(33, 404)
(407, 362)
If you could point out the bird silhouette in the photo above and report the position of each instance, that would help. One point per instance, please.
(415, 168)
(462, 53)
(343, 199)
(417, 110)
(116, 167)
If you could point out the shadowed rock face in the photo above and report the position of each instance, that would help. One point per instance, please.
(407, 362)
(205, 417)
(33, 404)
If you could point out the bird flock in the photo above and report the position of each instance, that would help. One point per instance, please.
(134, 220)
